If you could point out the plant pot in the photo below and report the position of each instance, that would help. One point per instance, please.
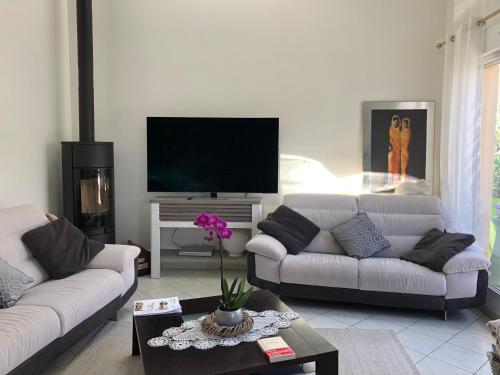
(235, 246)
(228, 318)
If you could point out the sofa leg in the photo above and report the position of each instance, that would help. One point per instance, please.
(445, 315)
(114, 317)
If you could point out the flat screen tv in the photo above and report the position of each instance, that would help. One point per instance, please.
(209, 154)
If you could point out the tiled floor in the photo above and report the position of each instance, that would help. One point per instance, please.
(457, 346)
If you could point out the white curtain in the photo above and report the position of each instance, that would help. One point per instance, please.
(460, 150)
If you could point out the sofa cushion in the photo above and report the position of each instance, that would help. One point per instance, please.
(128, 276)
(289, 227)
(267, 269)
(461, 285)
(436, 248)
(399, 276)
(400, 245)
(61, 248)
(76, 297)
(12, 284)
(471, 259)
(326, 211)
(115, 257)
(359, 237)
(13, 223)
(402, 219)
(325, 243)
(330, 270)
(24, 330)
(266, 246)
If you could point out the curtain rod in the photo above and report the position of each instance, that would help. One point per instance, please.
(443, 43)
(485, 19)
(480, 22)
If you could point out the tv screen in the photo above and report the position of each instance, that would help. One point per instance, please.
(195, 154)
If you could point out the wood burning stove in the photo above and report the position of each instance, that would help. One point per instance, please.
(87, 166)
(88, 188)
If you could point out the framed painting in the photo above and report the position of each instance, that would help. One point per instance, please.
(398, 143)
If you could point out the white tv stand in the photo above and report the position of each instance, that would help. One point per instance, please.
(177, 212)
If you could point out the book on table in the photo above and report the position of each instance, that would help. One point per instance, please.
(275, 349)
(167, 305)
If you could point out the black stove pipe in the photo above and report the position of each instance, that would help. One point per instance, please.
(87, 162)
(85, 70)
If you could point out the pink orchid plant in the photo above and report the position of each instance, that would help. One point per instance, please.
(214, 225)
(216, 228)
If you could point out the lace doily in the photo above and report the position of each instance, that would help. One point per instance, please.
(190, 333)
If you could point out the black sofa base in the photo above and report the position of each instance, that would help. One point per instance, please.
(400, 300)
(43, 358)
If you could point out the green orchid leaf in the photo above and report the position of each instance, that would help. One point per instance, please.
(243, 299)
(233, 285)
(241, 287)
(246, 297)
(240, 290)
(225, 291)
(233, 294)
(225, 288)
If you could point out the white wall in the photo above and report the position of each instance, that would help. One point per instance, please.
(32, 111)
(312, 63)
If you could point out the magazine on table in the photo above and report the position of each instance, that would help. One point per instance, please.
(167, 305)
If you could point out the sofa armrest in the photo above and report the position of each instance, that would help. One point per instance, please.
(471, 259)
(266, 246)
(114, 257)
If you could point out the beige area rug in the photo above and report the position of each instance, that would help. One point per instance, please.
(108, 352)
(369, 352)
(361, 352)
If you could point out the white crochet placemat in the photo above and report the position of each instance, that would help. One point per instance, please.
(190, 333)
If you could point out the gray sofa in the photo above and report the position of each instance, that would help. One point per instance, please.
(324, 271)
(53, 315)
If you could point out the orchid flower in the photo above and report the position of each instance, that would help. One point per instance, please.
(216, 228)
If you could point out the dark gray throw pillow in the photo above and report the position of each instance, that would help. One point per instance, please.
(290, 228)
(436, 248)
(359, 237)
(61, 248)
(13, 283)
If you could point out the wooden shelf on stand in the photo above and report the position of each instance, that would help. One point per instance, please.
(171, 261)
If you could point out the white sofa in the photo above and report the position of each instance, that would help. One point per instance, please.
(324, 271)
(52, 315)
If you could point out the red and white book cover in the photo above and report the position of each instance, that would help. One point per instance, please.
(276, 349)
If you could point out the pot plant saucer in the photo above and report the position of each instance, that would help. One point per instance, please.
(209, 325)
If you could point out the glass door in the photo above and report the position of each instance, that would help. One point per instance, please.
(95, 190)
(490, 117)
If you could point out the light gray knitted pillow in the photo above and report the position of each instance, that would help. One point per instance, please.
(13, 283)
(359, 237)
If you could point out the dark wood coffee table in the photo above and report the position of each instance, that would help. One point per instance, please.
(244, 358)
